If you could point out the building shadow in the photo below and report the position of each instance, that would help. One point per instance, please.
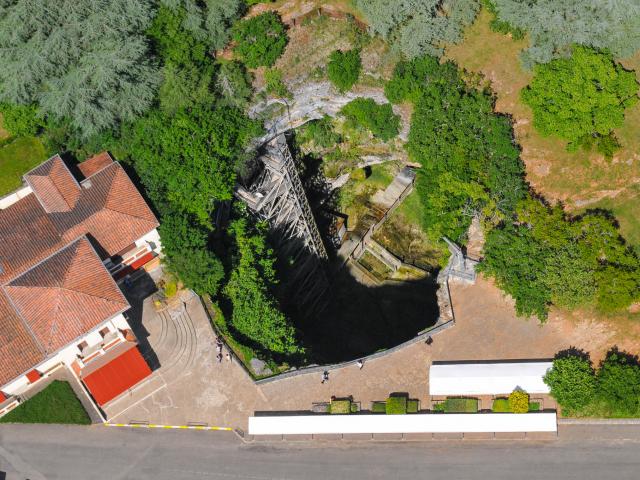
(136, 291)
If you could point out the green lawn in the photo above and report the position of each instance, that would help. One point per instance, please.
(55, 404)
(16, 158)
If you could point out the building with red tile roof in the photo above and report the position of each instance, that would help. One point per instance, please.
(65, 241)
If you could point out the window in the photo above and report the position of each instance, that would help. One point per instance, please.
(82, 346)
(104, 332)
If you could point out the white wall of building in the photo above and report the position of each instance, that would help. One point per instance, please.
(68, 354)
(416, 423)
(152, 239)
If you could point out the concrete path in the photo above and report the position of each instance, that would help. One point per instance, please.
(204, 391)
(80, 453)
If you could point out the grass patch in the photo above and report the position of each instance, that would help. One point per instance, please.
(379, 407)
(340, 406)
(534, 406)
(57, 403)
(413, 405)
(378, 269)
(16, 158)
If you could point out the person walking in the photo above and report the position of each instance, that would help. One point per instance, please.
(325, 376)
(360, 364)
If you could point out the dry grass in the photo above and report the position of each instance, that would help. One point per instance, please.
(581, 179)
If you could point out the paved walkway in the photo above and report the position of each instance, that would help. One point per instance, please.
(196, 388)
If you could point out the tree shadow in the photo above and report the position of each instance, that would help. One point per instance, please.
(574, 352)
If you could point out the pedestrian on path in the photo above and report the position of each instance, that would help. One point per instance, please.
(360, 364)
(429, 340)
(228, 357)
(325, 376)
(219, 357)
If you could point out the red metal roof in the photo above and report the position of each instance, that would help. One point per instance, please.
(117, 376)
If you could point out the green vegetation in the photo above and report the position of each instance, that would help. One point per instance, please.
(457, 405)
(234, 84)
(378, 407)
(100, 52)
(500, 26)
(572, 381)
(500, 405)
(319, 132)
(255, 312)
(581, 98)
(188, 160)
(396, 405)
(341, 406)
(17, 157)
(518, 402)
(21, 120)
(555, 25)
(413, 405)
(534, 406)
(378, 119)
(611, 391)
(57, 403)
(470, 164)
(344, 69)
(275, 85)
(260, 40)
(418, 27)
(208, 21)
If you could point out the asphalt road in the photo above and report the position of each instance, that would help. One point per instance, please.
(69, 453)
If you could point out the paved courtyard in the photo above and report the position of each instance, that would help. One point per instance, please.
(192, 387)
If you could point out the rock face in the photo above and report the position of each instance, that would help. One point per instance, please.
(259, 367)
(312, 101)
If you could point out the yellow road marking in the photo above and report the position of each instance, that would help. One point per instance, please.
(168, 427)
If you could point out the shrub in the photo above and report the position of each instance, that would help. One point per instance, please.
(320, 132)
(618, 382)
(379, 407)
(275, 85)
(340, 406)
(440, 407)
(344, 69)
(21, 120)
(378, 119)
(260, 40)
(354, 408)
(534, 406)
(500, 26)
(500, 405)
(519, 402)
(396, 405)
(461, 405)
(170, 289)
(572, 380)
(413, 405)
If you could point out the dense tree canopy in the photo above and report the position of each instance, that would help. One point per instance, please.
(572, 381)
(95, 69)
(580, 96)
(189, 159)
(555, 25)
(418, 27)
(255, 311)
(260, 40)
(344, 69)
(618, 382)
(184, 244)
(469, 161)
(208, 21)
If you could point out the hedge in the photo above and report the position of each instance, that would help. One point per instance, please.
(413, 405)
(396, 406)
(379, 407)
(340, 407)
(461, 405)
(500, 405)
(534, 406)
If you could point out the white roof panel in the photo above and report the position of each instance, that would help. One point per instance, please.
(487, 378)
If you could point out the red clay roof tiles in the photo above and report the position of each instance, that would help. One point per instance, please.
(55, 286)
